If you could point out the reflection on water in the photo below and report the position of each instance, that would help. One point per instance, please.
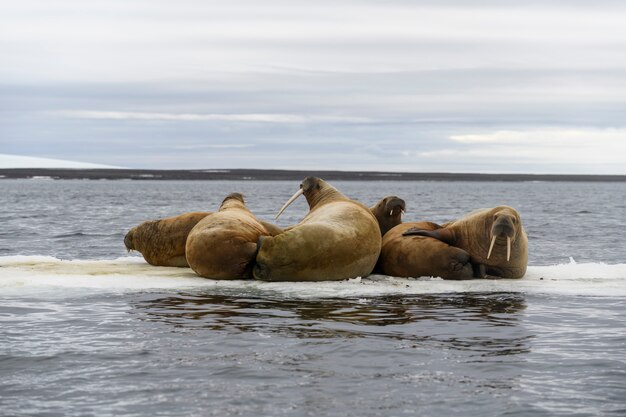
(246, 353)
(461, 322)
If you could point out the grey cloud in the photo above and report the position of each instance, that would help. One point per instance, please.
(357, 101)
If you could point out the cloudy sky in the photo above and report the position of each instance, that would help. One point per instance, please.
(491, 86)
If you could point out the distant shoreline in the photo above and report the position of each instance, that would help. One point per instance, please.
(285, 175)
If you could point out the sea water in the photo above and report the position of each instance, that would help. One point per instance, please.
(88, 329)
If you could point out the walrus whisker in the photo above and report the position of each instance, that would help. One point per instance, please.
(391, 212)
(508, 248)
(493, 240)
(291, 200)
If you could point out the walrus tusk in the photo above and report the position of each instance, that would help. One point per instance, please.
(493, 240)
(508, 248)
(291, 200)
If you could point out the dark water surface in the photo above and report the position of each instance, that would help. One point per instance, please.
(73, 351)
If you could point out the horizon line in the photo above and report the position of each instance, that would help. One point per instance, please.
(283, 174)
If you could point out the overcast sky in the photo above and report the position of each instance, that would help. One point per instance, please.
(491, 86)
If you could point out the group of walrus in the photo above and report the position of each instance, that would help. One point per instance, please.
(338, 239)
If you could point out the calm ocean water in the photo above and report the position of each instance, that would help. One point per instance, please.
(87, 329)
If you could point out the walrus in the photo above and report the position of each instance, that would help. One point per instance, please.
(162, 242)
(224, 244)
(420, 256)
(417, 256)
(388, 212)
(494, 237)
(338, 239)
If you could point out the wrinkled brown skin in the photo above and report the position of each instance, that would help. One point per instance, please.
(338, 239)
(473, 233)
(421, 256)
(223, 245)
(162, 242)
(388, 212)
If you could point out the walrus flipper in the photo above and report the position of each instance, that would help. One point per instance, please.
(271, 228)
(493, 272)
(485, 271)
(479, 270)
(441, 234)
(416, 231)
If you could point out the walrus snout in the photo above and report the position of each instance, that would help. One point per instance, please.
(128, 241)
(503, 228)
(310, 184)
(395, 205)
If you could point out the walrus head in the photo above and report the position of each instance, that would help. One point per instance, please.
(128, 240)
(315, 190)
(505, 223)
(388, 212)
(232, 200)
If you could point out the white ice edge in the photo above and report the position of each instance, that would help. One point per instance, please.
(39, 275)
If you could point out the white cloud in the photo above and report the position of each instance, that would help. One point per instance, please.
(213, 146)
(583, 147)
(287, 82)
(195, 117)
(610, 138)
(18, 161)
(143, 40)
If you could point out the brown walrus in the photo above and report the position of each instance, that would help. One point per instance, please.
(162, 242)
(420, 256)
(338, 239)
(223, 245)
(388, 212)
(417, 256)
(494, 237)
